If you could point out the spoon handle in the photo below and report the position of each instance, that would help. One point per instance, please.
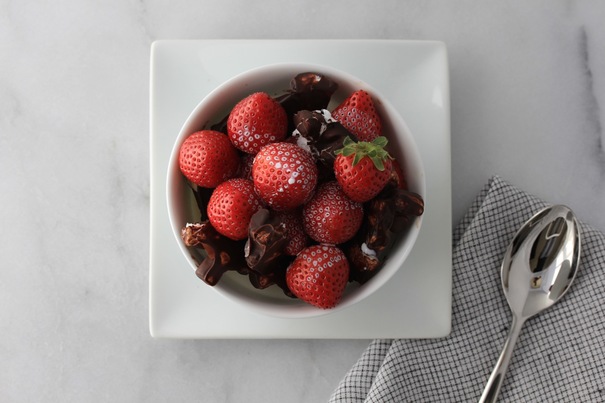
(494, 383)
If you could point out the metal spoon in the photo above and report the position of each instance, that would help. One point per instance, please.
(539, 266)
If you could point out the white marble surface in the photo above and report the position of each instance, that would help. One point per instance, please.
(528, 103)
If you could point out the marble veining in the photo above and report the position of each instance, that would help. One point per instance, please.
(528, 103)
(593, 108)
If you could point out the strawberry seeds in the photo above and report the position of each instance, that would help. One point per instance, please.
(296, 195)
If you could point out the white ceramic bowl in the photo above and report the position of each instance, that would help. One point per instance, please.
(275, 80)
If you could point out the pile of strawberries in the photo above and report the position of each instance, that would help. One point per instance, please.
(257, 164)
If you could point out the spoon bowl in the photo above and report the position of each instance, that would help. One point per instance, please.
(538, 268)
(541, 261)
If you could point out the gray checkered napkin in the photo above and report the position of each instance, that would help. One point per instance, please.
(559, 357)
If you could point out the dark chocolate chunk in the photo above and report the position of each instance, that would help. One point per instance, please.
(221, 253)
(409, 205)
(308, 91)
(363, 265)
(387, 217)
(277, 276)
(266, 241)
(322, 136)
(331, 140)
(314, 90)
(265, 251)
(310, 124)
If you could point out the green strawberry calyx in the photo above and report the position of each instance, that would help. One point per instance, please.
(374, 150)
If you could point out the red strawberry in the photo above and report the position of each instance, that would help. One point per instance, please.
(231, 206)
(330, 216)
(207, 158)
(296, 237)
(255, 121)
(358, 115)
(284, 175)
(363, 169)
(319, 275)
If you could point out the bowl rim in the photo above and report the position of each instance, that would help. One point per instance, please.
(302, 310)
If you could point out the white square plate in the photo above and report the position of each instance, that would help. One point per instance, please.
(413, 75)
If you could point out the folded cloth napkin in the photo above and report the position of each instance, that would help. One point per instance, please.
(559, 357)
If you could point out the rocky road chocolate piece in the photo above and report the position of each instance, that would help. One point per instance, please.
(409, 205)
(308, 91)
(276, 277)
(332, 139)
(265, 251)
(397, 176)
(314, 90)
(363, 262)
(321, 135)
(260, 281)
(266, 241)
(311, 124)
(222, 253)
(387, 216)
